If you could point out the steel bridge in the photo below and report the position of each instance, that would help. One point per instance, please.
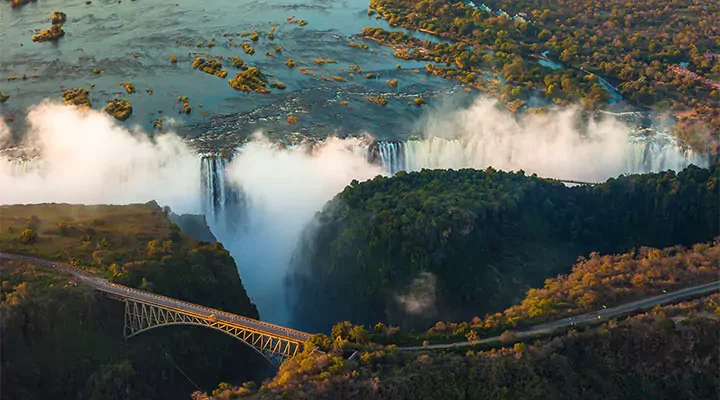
(145, 311)
(274, 342)
(575, 182)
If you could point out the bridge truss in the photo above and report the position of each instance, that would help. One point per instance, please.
(141, 316)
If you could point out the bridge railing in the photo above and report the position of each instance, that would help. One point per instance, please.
(229, 317)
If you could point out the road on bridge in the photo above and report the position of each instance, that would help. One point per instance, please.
(594, 316)
(291, 334)
(103, 285)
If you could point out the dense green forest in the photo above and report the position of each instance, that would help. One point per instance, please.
(62, 341)
(670, 352)
(451, 245)
(601, 281)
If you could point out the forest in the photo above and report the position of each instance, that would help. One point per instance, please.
(616, 360)
(659, 54)
(596, 282)
(473, 242)
(61, 340)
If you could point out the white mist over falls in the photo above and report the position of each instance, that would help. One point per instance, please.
(259, 200)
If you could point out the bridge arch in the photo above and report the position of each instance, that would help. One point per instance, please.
(274, 360)
(141, 317)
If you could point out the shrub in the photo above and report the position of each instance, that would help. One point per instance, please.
(28, 236)
(507, 337)
(120, 109)
(58, 17)
(51, 34)
(77, 97)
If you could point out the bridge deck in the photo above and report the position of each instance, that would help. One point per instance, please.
(204, 312)
(121, 291)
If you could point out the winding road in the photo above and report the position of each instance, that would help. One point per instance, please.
(123, 291)
(594, 316)
(103, 285)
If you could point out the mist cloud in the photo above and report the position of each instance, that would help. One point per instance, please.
(550, 145)
(86, 158)
(285, 188)
(5, 136)
(419, 296)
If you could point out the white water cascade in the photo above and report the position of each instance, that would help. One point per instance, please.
(223, 202)
(640, 155)
(259, 200)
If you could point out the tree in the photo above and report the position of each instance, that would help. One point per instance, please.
(380, 328)
(28, 236)
(341, 330)
(472, 336)
(507, 337)
(323, 342)
(34, 222)
(146, 285)
(359, 334)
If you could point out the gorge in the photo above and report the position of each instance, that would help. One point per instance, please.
(261, 196)
(449, 198)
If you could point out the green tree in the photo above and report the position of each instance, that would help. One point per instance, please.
(28, 236)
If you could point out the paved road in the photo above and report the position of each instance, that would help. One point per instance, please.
(291, 334)
(190, 308)
(594, 316)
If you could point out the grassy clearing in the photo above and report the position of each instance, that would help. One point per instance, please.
(81, 234)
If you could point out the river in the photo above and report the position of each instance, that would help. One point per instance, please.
(106, 35)
(261, 198)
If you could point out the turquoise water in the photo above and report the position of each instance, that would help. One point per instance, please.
(105, 34)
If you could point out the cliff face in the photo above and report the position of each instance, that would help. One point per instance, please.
(60, 340)
(483, 238)
(193, 225)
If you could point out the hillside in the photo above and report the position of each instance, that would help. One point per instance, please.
(670, 352)
(666, 353)
(49, 323)
(599, 282)
(454, 244)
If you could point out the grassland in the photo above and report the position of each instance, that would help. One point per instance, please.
(61, 340)
(78, 233)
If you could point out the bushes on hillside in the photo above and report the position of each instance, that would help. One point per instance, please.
(487, 236)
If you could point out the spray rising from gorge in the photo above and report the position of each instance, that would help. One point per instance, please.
(259, 199)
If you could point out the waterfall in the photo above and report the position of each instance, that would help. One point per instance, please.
(259, 200)
(223, 203)
(639, 155)
(21, 166)
(391, 156)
